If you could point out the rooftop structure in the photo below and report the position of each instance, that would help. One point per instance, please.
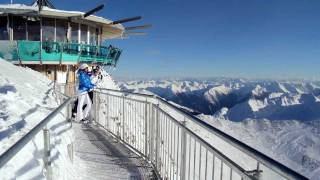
(55, 41)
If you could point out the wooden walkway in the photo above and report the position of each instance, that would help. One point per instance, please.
(100, 156)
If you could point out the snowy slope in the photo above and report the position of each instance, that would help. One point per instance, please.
(279, 118)
(26, 97)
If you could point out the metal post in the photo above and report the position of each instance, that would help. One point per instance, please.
(123, 118)
(183, 152)
(69, 112)
(46, 158)
(157, 123)
(258, 174)
(146, 130)
(95, 107)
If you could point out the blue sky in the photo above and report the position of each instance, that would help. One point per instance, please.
(207, 38)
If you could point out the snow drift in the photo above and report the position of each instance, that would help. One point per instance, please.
(26, 97)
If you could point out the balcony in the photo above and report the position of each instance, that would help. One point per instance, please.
(36, 52)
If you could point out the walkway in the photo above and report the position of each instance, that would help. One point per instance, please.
(100, 156)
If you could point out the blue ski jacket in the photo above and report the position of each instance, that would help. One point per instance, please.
(84, 82)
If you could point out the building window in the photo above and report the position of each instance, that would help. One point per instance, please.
(84, 34)
(48, 25)
(93, 36)
(33, 27)
(62, 30)
(19, 28)
(74, 32)
(4, 35)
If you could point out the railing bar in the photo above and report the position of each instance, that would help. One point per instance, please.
(230, 173)
(128, 98)
(166, 146)
(206, 166)
(157, 142)
(123, 116)
(175, 147)
(108, 113)
(194, 158)
(221, 170)
(200, 161)
(160, 141)
(213, 165)
(171, 149)
(177, 157)
(163, 145)
(134, 125)
(140, 124)
(189, 168)
(131, 126)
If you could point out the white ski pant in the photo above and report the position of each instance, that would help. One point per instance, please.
(83, 99)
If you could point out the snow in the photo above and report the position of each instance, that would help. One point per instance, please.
(279, 118)
(26, 97)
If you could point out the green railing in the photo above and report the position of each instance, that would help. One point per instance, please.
(58, 52)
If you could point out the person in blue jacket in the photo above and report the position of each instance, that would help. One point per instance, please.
(85, 86)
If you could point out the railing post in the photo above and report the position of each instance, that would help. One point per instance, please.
(123, 118)
(106, 124)
(95, 107)
(146, 129)
(46, 151)
(183, 151)
(157, 123)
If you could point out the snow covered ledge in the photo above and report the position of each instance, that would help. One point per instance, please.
(27, 97)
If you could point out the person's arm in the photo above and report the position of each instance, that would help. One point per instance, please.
(85, 81)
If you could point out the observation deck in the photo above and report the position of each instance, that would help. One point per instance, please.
(36, 52)
(138, 136)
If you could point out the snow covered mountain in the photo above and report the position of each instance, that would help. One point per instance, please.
(279, 118)
(239, 99)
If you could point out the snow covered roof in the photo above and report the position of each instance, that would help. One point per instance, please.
(109, 30)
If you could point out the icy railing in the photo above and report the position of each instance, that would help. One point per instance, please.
(179, 145)
(42, 130)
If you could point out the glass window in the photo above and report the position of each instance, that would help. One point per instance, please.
(62, 30)
(47, 29)
(4, 35)
(19, 28)
(33, 27)
(74, 32)
(84, 34)
(93, 36)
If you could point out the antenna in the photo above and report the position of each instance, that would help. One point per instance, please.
(127, 20)
(139, 27)
(96, 9)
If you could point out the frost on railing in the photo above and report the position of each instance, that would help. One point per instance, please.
(178, 146)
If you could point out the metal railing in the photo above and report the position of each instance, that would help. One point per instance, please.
(64, 108)
(49, 52)
(165, 135)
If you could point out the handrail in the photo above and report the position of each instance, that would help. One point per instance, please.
(257, 155)
(264, 159)
(14, 149)
(62, 52)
